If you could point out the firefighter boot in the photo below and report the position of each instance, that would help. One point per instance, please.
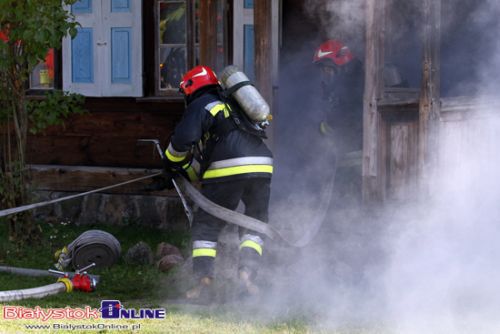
(248, 286)
(201, 291)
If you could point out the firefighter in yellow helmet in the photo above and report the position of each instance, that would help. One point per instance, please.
(235, 165)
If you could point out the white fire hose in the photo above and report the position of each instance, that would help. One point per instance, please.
(184, 186)
(38, 292)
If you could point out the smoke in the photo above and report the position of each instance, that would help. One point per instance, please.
(415, 267)
(443, 268)
(340, 19)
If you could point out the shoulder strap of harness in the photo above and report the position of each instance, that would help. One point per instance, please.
(228, 92)
(238, 118)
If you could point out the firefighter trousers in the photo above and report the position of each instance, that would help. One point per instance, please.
(254, 193)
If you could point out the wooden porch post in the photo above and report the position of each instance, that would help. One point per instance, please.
(429, 110)
(208, 33)
(263, 51)
(263, 55)
(373, 187)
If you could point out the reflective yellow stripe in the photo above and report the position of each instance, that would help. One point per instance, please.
(212, 173)
(252, 244)
(204, 252)
(192, 174)
(67, 282)
(174, 158)
(215, 110)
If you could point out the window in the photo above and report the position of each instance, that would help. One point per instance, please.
(244, 37)
(105, 57)
(244, 54)
(172, 53)
(178, 41)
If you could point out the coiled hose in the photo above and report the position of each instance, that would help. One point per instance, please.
(92, 246)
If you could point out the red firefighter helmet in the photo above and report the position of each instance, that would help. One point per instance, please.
(196, 78)
(335, 51)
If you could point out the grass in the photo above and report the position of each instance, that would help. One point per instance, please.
(175, 323)
(124, 282)
(135, 286)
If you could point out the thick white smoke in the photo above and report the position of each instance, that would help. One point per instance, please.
(430, 266)
(442, 274)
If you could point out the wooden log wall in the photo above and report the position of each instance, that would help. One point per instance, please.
(400, 128)
(107, 135)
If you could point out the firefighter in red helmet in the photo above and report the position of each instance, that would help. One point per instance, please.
(235, 165)
(341, 75)
(342, 83)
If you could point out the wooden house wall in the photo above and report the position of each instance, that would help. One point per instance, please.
(107, 134)
(469, 135)
(399, 132)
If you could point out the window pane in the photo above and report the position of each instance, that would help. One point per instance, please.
(403, 45)
(248, 4)
(173, 23)
(42, 76)
(248, 52)
(172, 66)
(469, 48)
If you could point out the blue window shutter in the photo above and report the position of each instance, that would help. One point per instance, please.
(82, 6)
(120, 6)
(120, 55)
(82, 65)
(248, 4)
(248, 51)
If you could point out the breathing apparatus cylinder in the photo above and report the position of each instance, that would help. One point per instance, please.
(239, 87)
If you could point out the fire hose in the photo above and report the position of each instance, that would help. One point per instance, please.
(184, 186)
(38, 292)
(37, 272)
(93, 246)
(67, 282)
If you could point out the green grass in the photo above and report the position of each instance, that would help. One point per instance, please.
(124, 282)
(135, 286)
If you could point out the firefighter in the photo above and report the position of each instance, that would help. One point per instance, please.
(341, 75)
(342, 83)
(234, 165)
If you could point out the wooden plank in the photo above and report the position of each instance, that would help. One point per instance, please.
(109, 124)
(429, 112)
(92, 151)
(263, 42)
(402, 178)
(263, 53)
(84, 178)
(374, 60)
(106, 136)
(208, 33)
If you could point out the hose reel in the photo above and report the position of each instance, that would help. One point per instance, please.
(93, 246)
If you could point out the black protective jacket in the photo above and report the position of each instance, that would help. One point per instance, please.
(227, 151)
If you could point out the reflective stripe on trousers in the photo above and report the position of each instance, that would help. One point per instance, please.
(204, 248)
(253, 242)
(235, 166)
